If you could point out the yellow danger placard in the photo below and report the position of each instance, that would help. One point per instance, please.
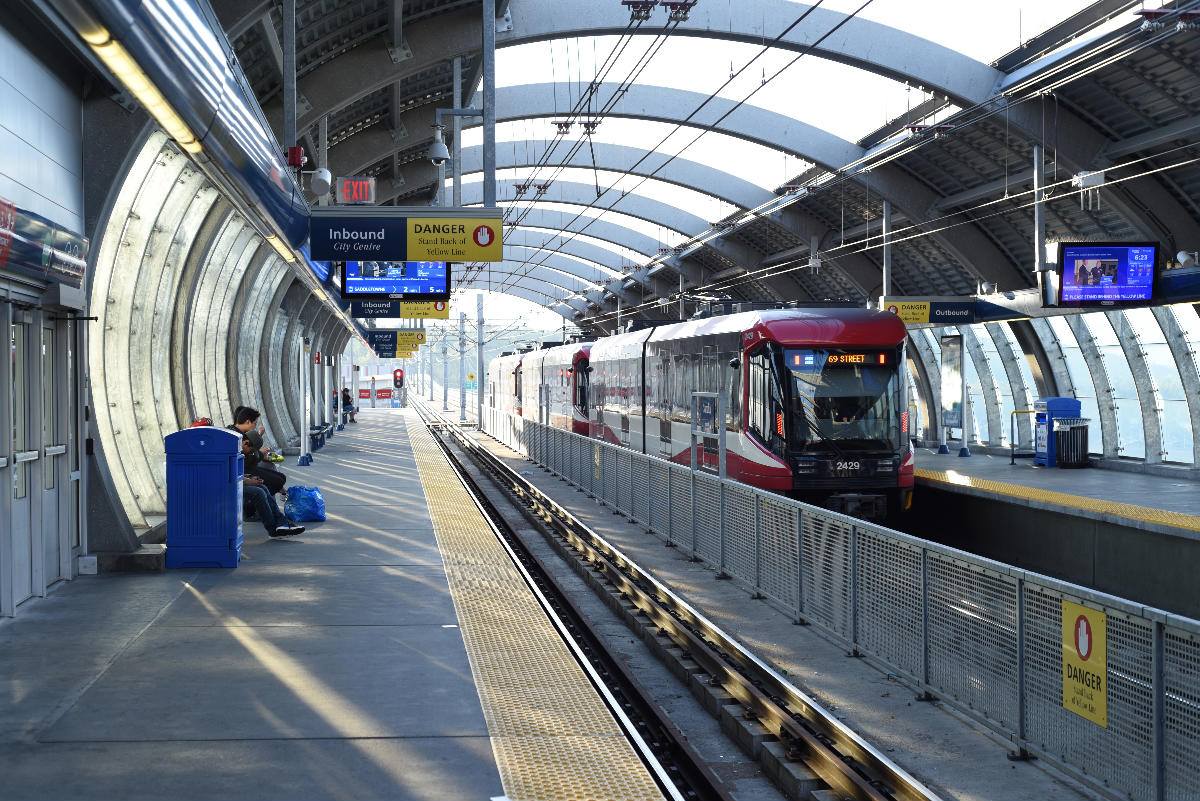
(410, 338)
(437, 310)
(455, 239)
(1085, 662)
(909, 312)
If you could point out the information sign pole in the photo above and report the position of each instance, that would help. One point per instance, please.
(372, 392)
(445, 377)
(462, 367)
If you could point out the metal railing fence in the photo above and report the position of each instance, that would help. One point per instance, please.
(983, 636)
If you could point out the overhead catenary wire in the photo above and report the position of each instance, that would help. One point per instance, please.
(862, 246)
(1091, 54)
(766, 47)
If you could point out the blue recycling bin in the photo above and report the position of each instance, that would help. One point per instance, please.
(204, 497)
(1046, 410)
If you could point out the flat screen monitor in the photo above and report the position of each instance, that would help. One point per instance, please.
(396, 280)
(1106, 273)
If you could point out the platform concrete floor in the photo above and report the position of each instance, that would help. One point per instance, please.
(326, 666)
(1175, 494)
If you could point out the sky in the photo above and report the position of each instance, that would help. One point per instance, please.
(841, 99)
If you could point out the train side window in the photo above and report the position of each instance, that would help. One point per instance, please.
(765, 406)
(581, 386)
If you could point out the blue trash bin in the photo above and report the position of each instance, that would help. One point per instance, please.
(204, 497)
(1046, 411)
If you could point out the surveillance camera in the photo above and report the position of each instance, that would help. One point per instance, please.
(438, 153)
(322, 179)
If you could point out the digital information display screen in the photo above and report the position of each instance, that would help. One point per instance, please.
(813, 360)
(396, 280)
(1106, 273)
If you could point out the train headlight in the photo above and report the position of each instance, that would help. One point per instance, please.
(885, 465)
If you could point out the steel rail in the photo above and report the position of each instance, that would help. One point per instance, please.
(811, 734)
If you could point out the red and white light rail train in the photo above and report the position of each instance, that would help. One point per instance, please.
(813, 399)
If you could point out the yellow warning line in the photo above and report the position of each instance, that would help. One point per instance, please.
(1143, 514)
(552, 735)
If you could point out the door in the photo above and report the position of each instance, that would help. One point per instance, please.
(54, 467)
(25, 457)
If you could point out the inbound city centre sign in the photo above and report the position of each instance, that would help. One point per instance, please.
(401, 234)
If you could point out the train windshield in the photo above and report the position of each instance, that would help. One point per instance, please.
(843, 399)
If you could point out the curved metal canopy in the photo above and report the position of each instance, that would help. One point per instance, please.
(376, 70)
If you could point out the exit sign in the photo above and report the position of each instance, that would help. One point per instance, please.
(357, 190)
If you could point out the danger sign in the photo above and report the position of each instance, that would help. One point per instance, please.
(1085, 662)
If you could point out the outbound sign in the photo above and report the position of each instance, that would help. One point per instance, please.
(1085, 662)
(940, 311)
(399, 234)
(437, 310)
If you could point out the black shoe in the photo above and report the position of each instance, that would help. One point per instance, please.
(286, 531)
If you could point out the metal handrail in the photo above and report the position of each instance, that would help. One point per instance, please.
(1012, 434)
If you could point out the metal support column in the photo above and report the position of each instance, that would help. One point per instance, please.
(457, 152)
(289, 73)
(305, 400)
(445, 378)
(479, 374)
(323, 154)
(462, 367)
(489, 104)
(887, 251)
(1044, 279)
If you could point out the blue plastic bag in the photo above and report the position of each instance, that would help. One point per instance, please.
(304, 504)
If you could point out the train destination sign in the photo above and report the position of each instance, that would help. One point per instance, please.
(400, 234)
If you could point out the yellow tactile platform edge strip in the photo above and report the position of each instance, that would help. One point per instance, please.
(553, 738)
(1143, 514)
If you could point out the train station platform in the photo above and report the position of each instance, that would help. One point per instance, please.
(389, 652)
(1159, 503)
(1133, 535)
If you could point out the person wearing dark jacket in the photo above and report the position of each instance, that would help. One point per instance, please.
(256, 496)
(245, 421)
(348, 404)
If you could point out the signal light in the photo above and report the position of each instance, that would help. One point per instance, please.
(398, 379)
(883, 358)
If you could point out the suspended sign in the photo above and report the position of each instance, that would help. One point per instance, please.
(398, 234)
(437, 310)
(946, 311)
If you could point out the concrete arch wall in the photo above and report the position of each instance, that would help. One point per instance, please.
(193, 318)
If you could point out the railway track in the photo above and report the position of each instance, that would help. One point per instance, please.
(771, 708)
(681, 773)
